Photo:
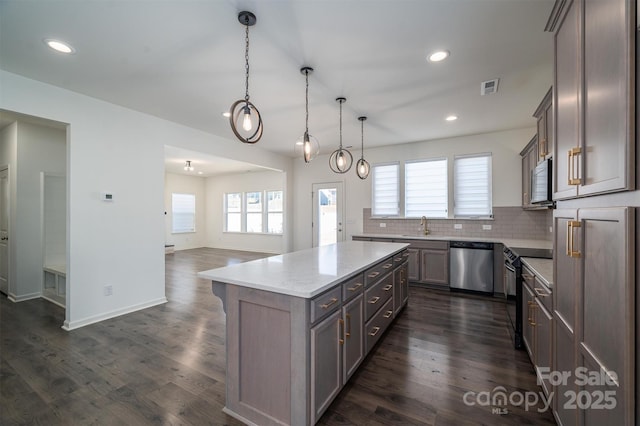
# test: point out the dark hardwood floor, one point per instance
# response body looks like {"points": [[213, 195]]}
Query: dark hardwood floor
{"points": [[166, 364]]}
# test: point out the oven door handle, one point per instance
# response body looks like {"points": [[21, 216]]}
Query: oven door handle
{"points": [[510, 268]]}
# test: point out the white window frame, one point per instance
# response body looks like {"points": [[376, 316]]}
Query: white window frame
{"points": [[407, 189], [183, 230], [488, 207], [374, 210], [267, 211], [264, 212]]}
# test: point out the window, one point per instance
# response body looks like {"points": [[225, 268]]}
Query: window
{"points": [[233, 210], [425, 186], [386, 190], [183, 213], [254, 211], [274, 212], [472, 185]]}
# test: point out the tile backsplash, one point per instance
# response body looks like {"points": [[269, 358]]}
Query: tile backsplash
{"points": [[508, 222]]}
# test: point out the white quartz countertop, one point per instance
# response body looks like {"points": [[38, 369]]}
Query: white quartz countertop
{"points": [[509, 242], [305, 273], [541, 268]]}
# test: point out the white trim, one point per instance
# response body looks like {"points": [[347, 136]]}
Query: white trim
{"points": [[68, 326], [24, 297]]}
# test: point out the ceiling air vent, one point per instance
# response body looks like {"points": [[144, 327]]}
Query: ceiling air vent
{"points": [[489, 87]]}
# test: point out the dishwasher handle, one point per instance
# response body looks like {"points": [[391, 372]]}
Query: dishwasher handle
{"points": [[475, 245]]}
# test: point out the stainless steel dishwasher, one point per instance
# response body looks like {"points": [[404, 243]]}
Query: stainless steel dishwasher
{"points": [[471, 266]]}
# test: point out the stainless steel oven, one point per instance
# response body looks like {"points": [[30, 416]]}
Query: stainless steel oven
{"points": [[513, 285]]}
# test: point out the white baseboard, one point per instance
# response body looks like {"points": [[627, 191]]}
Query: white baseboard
{"points": [[24, 297], [72, 325]]}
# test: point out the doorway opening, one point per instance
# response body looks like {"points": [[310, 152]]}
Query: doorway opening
{"points": [[328, 213]]}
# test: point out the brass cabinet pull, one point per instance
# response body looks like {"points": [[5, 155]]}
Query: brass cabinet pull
{"points": [[331, 302], [348, 333], [540, 292], [374, 331], [374, 300], [387, 266], [533, 306], [397, 259], [388, 314], [387, 287], [571, 226], [341, 324], [373, 274], [355, 287], [573, 154], [405, 254], [527, 277], [543, 147]]}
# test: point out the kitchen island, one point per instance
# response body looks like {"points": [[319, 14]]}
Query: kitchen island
{"points": [[299, 325]]}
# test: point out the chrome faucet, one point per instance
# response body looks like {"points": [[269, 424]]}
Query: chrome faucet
{"points": [[423, 225]]}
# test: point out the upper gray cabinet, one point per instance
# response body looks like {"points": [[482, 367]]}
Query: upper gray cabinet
{"points": [[544, 119], [594, 97]]}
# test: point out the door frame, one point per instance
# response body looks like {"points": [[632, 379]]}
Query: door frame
{"points": [[8, 210], [340, 199]]}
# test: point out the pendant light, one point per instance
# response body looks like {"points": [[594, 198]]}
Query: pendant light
{"points": [[310, 145], [245, 118], [362, 166], [341, 159], [187, 166]]}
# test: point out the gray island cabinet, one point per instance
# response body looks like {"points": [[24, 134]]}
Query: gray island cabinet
{"points": [[299, 325]]}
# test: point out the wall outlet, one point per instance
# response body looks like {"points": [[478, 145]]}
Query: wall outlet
{"points": [[551, 229], [108, 290], [383, 225], [457, 226], [486, 227]]}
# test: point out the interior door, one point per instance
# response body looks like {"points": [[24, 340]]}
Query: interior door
{"points": [[4, 230], [328, 213]]}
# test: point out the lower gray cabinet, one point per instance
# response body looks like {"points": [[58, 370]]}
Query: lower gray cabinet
{"points": [[543, 345], [414, 264], [400, 288], [353, 348], [435, 266], [326, 363]]}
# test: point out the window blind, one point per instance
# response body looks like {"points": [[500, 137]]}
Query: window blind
{"points": [[472, 185], [426, 192], [183, 213], [385, 195]]}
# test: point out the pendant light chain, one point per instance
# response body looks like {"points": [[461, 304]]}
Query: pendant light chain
{"points": [[306, 104], [362, 139], [246, 61], [341, 101]]}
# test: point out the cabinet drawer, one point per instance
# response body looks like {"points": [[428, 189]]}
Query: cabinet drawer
{"points": [[429, 244], [528, 276], [378, 324], [325, 303], [377, 295], [352, 287], [543, 294], [376, 272], [400, 258]]}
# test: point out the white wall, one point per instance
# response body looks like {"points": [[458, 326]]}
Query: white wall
{"points": [[505, 146], [217, 186], [183, 184], [115, 149]]}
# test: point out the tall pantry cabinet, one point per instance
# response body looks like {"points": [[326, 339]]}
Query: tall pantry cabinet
{"points": [[595, 237]]}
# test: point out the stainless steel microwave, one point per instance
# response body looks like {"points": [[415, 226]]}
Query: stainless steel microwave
{"points": [[541, 191]]}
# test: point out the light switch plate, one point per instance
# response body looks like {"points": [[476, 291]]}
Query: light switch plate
{"points": [[457, 226], [383, 225], [486, 227]]}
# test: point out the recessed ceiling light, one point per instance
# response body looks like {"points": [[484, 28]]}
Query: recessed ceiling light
{"points": [[451, 117], [226, 114], [299, 143], [200, 173], [439, 55], [59, 46]]}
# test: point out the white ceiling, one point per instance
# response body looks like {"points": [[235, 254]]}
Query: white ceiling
{"points": [[183, 60]]}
